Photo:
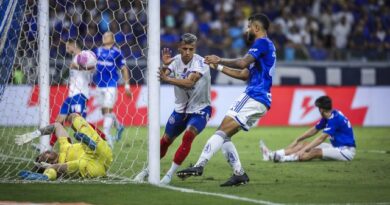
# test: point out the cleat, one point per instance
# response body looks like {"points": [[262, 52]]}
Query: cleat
{"points": [[142, 175], [166, 180], [236, 180], [191, 171], [265, 151], [277, 158], [119, 132]]}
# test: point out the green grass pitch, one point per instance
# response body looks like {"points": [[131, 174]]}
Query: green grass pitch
{"points": [[365, 180]]}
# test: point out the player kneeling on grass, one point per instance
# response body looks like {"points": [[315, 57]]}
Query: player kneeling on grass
{"points": [[89, 158], [335, 126]]}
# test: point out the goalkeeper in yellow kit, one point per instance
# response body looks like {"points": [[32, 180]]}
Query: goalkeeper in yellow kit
{"points": [[89, 158]]}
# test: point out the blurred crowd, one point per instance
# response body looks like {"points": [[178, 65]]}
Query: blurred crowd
{"points": [[301, 29]]}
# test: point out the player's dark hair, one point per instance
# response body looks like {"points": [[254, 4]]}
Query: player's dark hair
{"points": [[44, 157], [324, 102], [78, 43], [188, 38], [262, 18]]}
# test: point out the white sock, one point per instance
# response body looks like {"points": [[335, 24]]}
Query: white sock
{"points": [[107, 123], [115, 120], [231, 154], [173, 169], [289, 158], [281, 152], [212, 146]]}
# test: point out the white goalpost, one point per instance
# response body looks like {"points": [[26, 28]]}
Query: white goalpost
{"points": [[43, 65], [154, 90], [39, 79]]}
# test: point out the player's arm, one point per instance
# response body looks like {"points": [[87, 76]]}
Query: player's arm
{"points": [[317, 141], [309, 133], [239, 63], [189, 82], [126, 78], [234, 73]]}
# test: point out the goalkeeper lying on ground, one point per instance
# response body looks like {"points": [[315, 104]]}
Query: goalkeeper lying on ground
{"points": [[89, 158]]}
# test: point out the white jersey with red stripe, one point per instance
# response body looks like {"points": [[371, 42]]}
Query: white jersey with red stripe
{"points": [[194, 99]]}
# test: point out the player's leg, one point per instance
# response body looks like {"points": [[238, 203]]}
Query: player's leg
{"points": [[195, 125], [338, 154], [246, 114], [109, 98], [174, 127], [288, 153], [75, 104], [213, 144]]}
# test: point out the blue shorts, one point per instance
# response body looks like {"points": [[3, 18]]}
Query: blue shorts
{"points": [[178, 122], [75, 104]]}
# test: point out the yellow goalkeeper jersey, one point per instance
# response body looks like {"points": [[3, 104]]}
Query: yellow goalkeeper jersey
{"points": [[69, 152]]}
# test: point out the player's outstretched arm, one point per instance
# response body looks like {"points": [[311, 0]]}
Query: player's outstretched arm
{"points": [[239, 63], [28, 137], [234, 73]]}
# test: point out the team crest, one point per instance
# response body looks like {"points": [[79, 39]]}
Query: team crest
{"points": [[171, 120]]}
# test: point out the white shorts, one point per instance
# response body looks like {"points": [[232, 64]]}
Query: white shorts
{"points": [[106, 97], [336, 153], [246, 111]]}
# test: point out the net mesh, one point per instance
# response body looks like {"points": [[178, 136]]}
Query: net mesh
{"points": [[86, 21]]}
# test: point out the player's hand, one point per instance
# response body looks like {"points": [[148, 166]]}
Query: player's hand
{"points": [[25, 138], [43, 165], [213, 66], [166, 54], [212, 59], [163, 77], [300, 153]]}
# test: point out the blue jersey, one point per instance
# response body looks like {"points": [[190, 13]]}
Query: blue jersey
{"points": [[261, 71], [338, 128], [109, 62]]}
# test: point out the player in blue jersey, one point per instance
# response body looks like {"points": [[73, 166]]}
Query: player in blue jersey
{"points": [[335, 126], [106, 77], [257, 67]]}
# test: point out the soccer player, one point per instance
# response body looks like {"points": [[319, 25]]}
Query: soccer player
{"points": [[258, 67], [106, 77], [335, 126], [88, 159], [191, 79], [79, 79]]}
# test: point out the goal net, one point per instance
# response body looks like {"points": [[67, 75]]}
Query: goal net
{"points": [[21, 75]]}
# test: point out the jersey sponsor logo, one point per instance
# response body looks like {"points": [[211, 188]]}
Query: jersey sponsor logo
{"points": [[253, 50], [327, 129]]}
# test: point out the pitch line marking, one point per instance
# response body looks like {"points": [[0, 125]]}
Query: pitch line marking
{"points": [[226, 196]]}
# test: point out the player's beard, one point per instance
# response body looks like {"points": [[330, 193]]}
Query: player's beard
{"points": [[249, 38]]}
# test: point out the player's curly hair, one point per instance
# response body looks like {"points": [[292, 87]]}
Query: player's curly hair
{"points": [[262, 18], [324, 102], [188, 38]]}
